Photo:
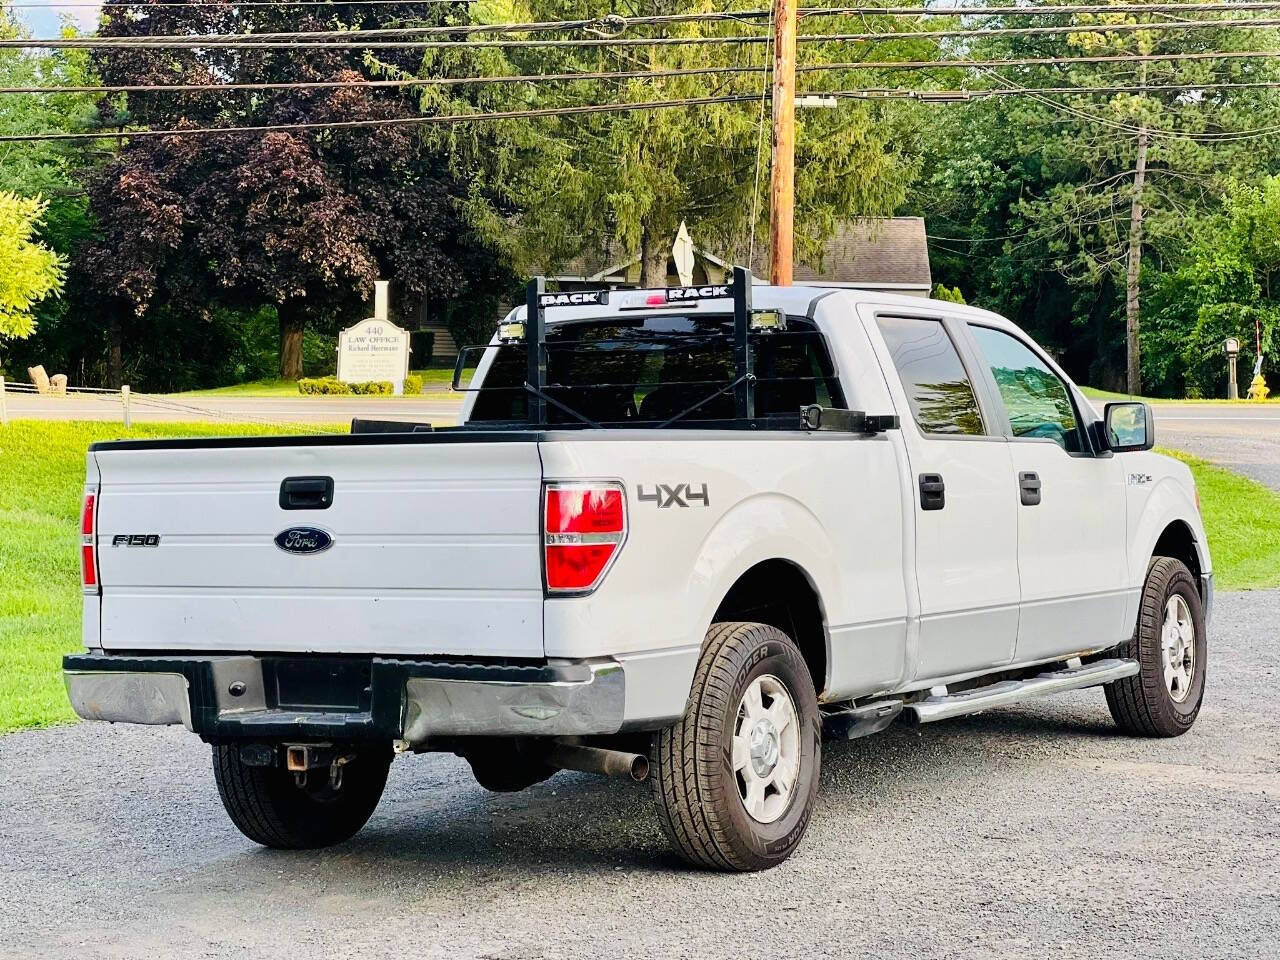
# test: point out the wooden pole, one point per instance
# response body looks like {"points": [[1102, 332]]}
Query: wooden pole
{"points": [[782, 183]]}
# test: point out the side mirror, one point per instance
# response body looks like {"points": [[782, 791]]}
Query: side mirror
{"points": [[1129, 426]]}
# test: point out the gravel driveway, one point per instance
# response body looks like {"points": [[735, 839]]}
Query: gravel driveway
{"points": [[1028, 832]]}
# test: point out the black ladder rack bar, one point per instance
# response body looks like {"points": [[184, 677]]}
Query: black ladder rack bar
{"points": [[535, 339], [744, 393]]}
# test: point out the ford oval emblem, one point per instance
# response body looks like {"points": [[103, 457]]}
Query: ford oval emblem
{"points": [[303, 540]]}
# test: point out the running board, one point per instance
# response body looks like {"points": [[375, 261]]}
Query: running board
{"points": [[1011, 691]]}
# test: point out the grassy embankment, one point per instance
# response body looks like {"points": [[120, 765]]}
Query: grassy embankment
{"points": [[42, 476]]}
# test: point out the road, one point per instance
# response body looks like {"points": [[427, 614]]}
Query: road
{"points": [[438, 407], [1242, 437], [1025, 832]]}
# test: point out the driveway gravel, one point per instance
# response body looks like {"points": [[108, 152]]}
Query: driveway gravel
{"points": [[1031, 832]]}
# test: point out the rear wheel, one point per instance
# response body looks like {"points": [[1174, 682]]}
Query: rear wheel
{"points": [[1170, 645], [736, 779], [271, 807]]}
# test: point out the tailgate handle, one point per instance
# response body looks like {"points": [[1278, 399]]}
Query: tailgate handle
{"points": [[306, 493]]}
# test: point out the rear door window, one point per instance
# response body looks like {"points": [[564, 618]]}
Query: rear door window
{"points": [[937, 386]]}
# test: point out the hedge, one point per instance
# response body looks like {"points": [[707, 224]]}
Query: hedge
{"points": [[334, 386]]}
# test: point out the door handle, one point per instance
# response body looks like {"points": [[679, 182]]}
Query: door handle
{"points": [[1029, 488], [933, 491], [306, 493]]}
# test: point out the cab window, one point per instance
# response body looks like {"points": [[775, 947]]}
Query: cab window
{"points": [[1036, 399], [938, 388]]}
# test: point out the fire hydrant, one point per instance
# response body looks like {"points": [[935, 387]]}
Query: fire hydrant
{"points": [[1258, 389]]}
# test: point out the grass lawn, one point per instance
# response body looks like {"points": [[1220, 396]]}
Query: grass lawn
{"points": [[1108, 396], [42, 468], [432, 376], [42, 477]]}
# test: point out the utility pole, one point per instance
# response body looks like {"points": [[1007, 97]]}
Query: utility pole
{"points": [[782, 183], [1133, 269]]}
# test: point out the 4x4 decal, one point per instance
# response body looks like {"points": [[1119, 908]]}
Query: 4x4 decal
{"points": [[681, 495]]}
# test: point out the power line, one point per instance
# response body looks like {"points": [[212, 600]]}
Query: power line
{"points": [[1023, 11], [657, 74], [619, 23], [883, 93], [236, 42]]}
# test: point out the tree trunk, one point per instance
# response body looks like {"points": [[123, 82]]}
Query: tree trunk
{"points": [[291, 323], [1133, 378], [654, 254], [115, 353]]}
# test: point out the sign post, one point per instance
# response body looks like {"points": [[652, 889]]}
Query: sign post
{"points": [[1231, 346]]}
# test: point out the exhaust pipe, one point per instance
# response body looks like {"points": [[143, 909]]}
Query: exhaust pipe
{"points": [[612, 763]]}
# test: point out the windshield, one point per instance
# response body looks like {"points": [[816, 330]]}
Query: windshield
{"points": [[646, 370]]}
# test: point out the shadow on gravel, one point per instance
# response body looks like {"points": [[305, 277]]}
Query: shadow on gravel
{"points": [[581, 824]]}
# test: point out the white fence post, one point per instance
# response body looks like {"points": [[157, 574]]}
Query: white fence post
{"points": [[124, 397], [4, 410]]}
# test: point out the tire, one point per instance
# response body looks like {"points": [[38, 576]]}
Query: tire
{"points": [[267, 805], [697, 783], [1153, 702]]}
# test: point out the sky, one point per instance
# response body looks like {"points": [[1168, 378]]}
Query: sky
{"points": [[45, 20]]}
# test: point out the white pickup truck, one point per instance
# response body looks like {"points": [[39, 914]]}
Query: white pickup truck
{"points": [[680, 535]]}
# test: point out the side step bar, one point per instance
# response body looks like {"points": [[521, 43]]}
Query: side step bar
{"points": [[1011, 691]]}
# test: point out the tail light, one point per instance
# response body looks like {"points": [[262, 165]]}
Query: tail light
{"points": [[584, 526], [89, 542]]}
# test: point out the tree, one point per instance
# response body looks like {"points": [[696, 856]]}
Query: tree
{"points": [[51, 219], [1056, 204], [552, 188], [29, 271], [303, 221]]}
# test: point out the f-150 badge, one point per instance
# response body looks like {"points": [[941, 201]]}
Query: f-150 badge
{"points": [[681, 495]]}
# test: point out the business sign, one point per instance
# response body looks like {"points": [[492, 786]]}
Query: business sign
{"points": [[373, 349]]}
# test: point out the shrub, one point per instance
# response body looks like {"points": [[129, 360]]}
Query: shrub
{"points": [[413, 385], [372, 387], [323, 386]]}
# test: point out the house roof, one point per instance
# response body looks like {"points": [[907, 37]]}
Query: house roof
{"points": [[876, 252], [887, 252]]}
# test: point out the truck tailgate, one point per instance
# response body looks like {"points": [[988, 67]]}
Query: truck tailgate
{"points": [[435, 548]]}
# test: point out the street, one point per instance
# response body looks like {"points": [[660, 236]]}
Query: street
{"points": [[1031, 831], [1242, 437], [434, 407]]}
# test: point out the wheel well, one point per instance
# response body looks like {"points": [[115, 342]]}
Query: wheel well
{"points": [[1178, 542], [779, 593]]}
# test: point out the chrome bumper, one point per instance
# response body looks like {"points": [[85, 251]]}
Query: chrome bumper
{"points": [[240, 697]]}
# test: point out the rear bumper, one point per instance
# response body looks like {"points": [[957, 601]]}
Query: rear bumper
{"points": [[228, 697]]}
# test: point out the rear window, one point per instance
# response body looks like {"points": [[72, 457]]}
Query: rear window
{"points": [[646, 370]]}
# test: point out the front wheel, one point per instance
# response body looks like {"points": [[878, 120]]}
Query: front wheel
{"points": [[1170, 645], [736, 778], [270, 806]]}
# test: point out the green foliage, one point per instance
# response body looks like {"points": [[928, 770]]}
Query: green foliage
{"points": [[412, 385], [1028, 198], [332, 386], [614, 185], [29, 271], [1224, 287], [947, 294]]}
